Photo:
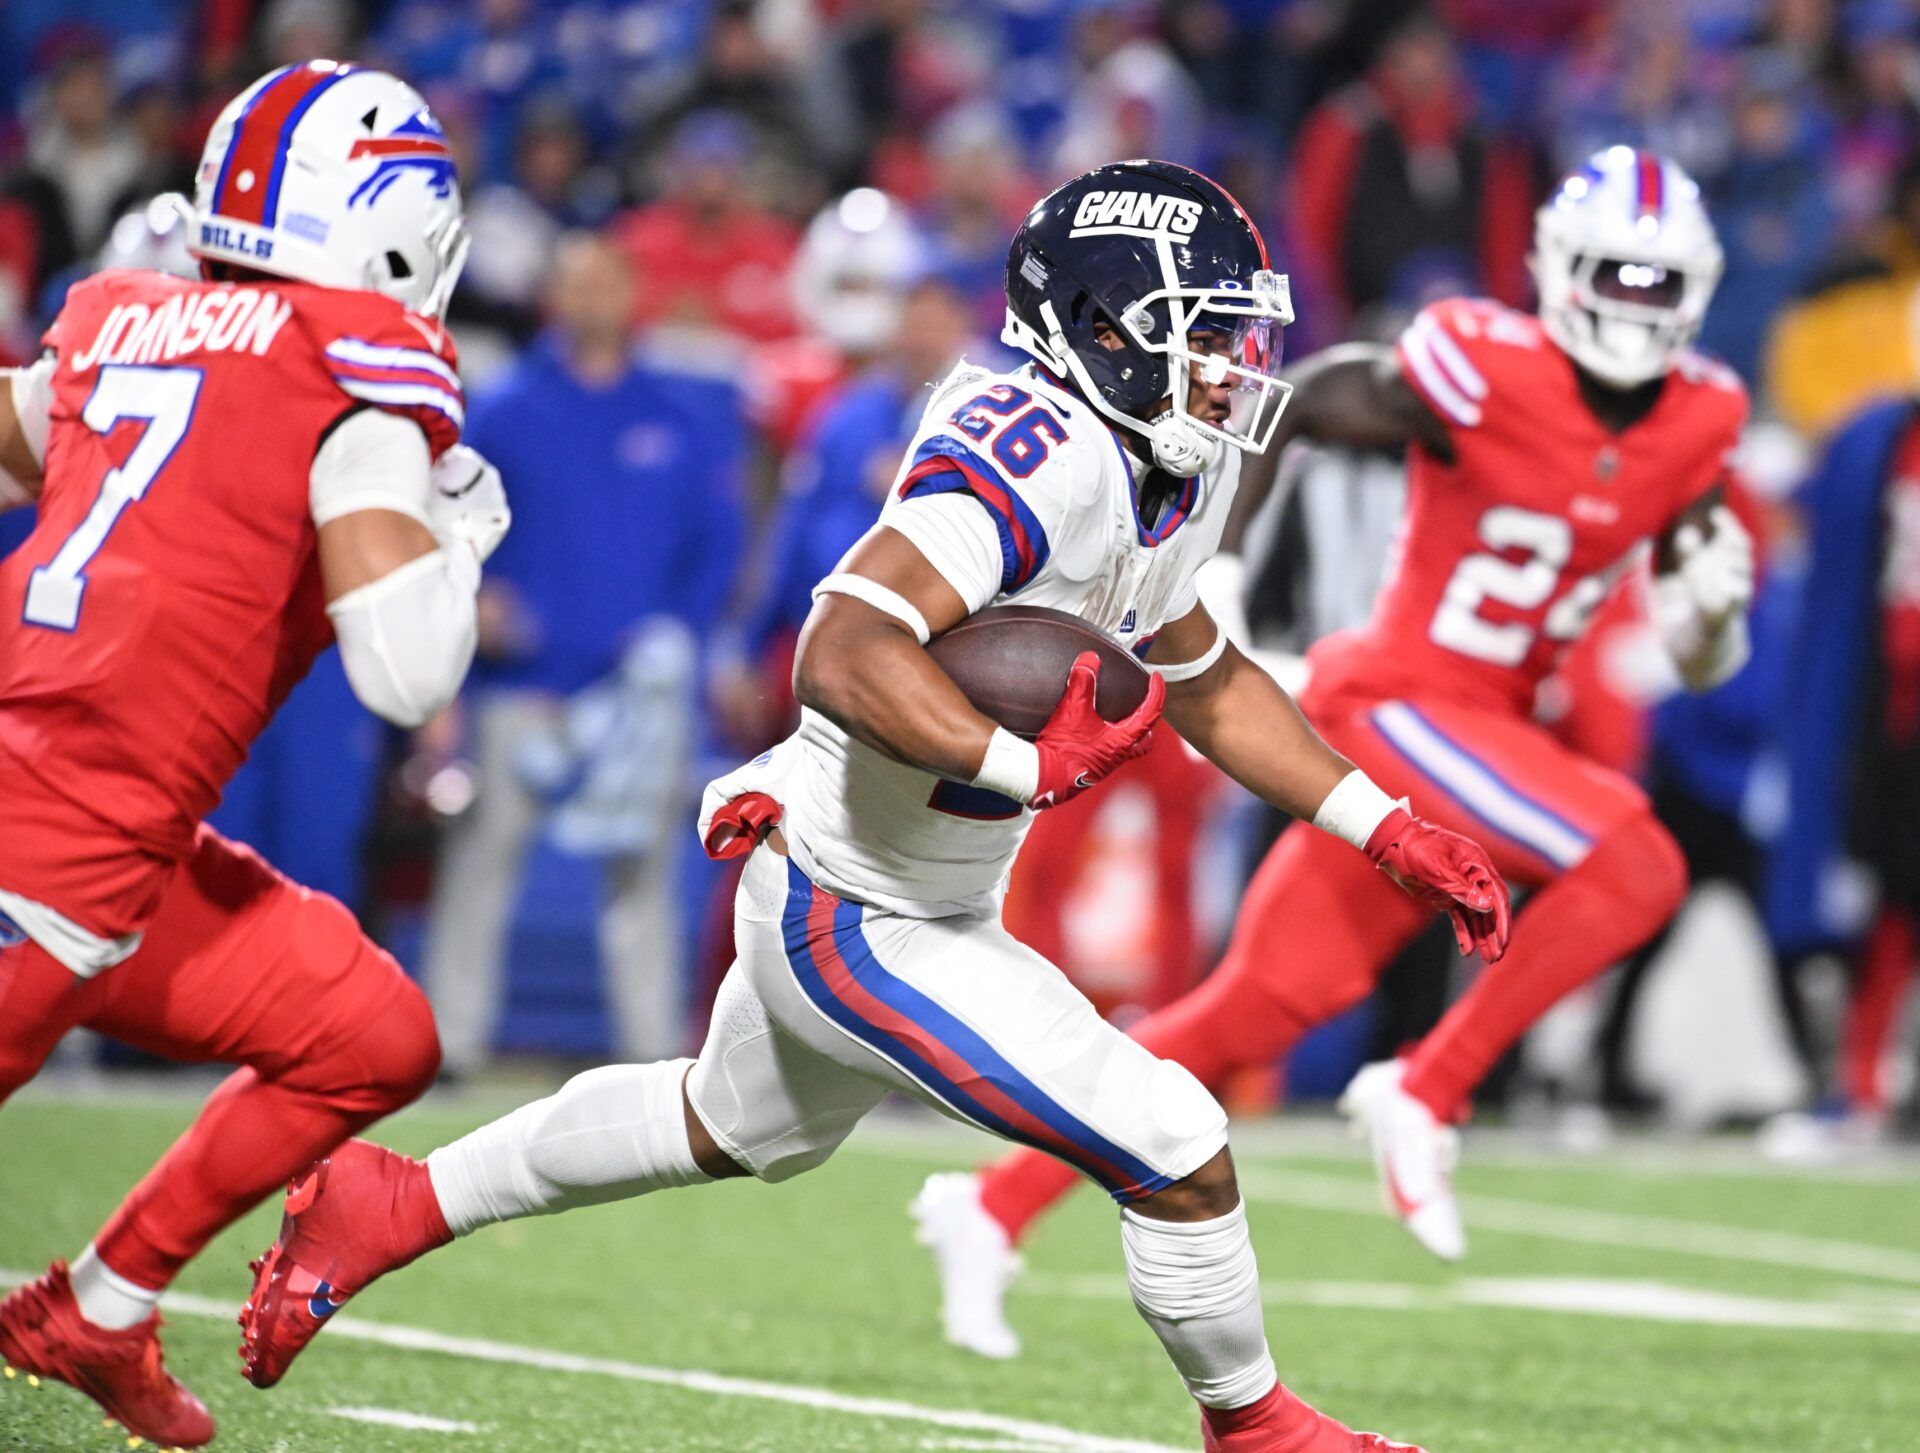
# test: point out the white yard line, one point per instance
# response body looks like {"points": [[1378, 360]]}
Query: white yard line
{"points": [[1542, 1220], [1629, 1300], [1547, 1221], [394, 1418], [1310, 1136], [476, 1349]]}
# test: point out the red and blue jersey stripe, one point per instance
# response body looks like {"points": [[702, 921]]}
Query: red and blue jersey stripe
{"points": [[408, 381], [837, 970], [943, 464], [248, 186]]}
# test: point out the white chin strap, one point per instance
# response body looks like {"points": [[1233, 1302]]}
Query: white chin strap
{"points": [[1181, 446]]}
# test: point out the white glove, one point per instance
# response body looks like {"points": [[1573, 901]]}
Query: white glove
{"points": [[1717, 568], [469, 501], [1700, 609]]}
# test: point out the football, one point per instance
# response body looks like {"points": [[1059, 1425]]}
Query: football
{"points": [[1011, 661]]}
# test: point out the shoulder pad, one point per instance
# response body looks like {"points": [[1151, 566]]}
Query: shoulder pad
{"points": [[1455, 352], [1709, 372], [379, 353], [1028, 459]]}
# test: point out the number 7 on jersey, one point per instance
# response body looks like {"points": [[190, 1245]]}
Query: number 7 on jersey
{"points": [[163, 398]]}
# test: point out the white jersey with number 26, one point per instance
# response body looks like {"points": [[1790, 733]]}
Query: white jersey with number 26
{"points": [[1018, 493]]}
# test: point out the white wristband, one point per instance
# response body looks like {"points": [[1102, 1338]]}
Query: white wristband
{"points": [[1354, 809], [1011, 766]]}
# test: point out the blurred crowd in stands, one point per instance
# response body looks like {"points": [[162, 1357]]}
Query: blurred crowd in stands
{"points": [[721, 245]]}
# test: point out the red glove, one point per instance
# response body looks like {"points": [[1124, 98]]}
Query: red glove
{"points": [[737, 828], [1448, 873], [1078, 748]]}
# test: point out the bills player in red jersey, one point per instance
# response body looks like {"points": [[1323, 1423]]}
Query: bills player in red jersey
{"points": [[231, 474], [1544, 453]]}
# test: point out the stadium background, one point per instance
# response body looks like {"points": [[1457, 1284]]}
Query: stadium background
{"points": [[801, 208]]}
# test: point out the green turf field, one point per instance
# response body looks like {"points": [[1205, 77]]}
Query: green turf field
{"points": [[1641, 1302]]}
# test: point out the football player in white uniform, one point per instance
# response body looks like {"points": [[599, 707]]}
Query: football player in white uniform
{"points": [[870, 951]]}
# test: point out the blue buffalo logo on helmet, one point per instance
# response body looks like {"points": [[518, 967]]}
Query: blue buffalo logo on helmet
{"points": [[417, 144]]}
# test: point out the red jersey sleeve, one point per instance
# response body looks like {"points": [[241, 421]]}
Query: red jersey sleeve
{"points": [[1460, 353], [378, 353]]}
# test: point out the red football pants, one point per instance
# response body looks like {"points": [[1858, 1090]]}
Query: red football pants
{"points": [[239, 965], [1319, 923]]}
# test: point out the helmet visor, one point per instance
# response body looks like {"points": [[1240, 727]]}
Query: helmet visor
{"points": [[1229, 334], [1641, 284]]}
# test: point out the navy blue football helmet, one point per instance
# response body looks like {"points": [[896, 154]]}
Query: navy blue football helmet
{"points": [[1155, 252]]}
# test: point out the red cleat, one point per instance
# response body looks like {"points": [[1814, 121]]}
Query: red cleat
{"points": [[1281, 1423], [42, 1334], [350, 1218]]}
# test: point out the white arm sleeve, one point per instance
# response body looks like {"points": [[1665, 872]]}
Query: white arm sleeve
{"points": [[32, 390], [373, 460], [956, 534], [408, 638]]}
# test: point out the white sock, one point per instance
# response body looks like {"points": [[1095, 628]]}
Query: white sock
{"points": [[1198, 1287], [607, 1135], [107, 1299]]}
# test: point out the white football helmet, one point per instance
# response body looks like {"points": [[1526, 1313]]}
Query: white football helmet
{"points": [[1626, 262], [333, 175], [860, 256]]}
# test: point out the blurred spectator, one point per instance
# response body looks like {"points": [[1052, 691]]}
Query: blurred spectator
{"points": [[515, 223], [293, 31], [1132, 100], [707, 257], [1845, 871], [625, 482], [1509, 51], [1392, 175], [741, 74], [847, 282], [1771, 207], [899, 64], [1854, 338], [1640, 81], [81, 160], [838, 478], [1877, 123], [973, 193]]}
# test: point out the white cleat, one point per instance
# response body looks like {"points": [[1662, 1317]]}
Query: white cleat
{"points": [[1414, 1154], [975, 1261]]}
